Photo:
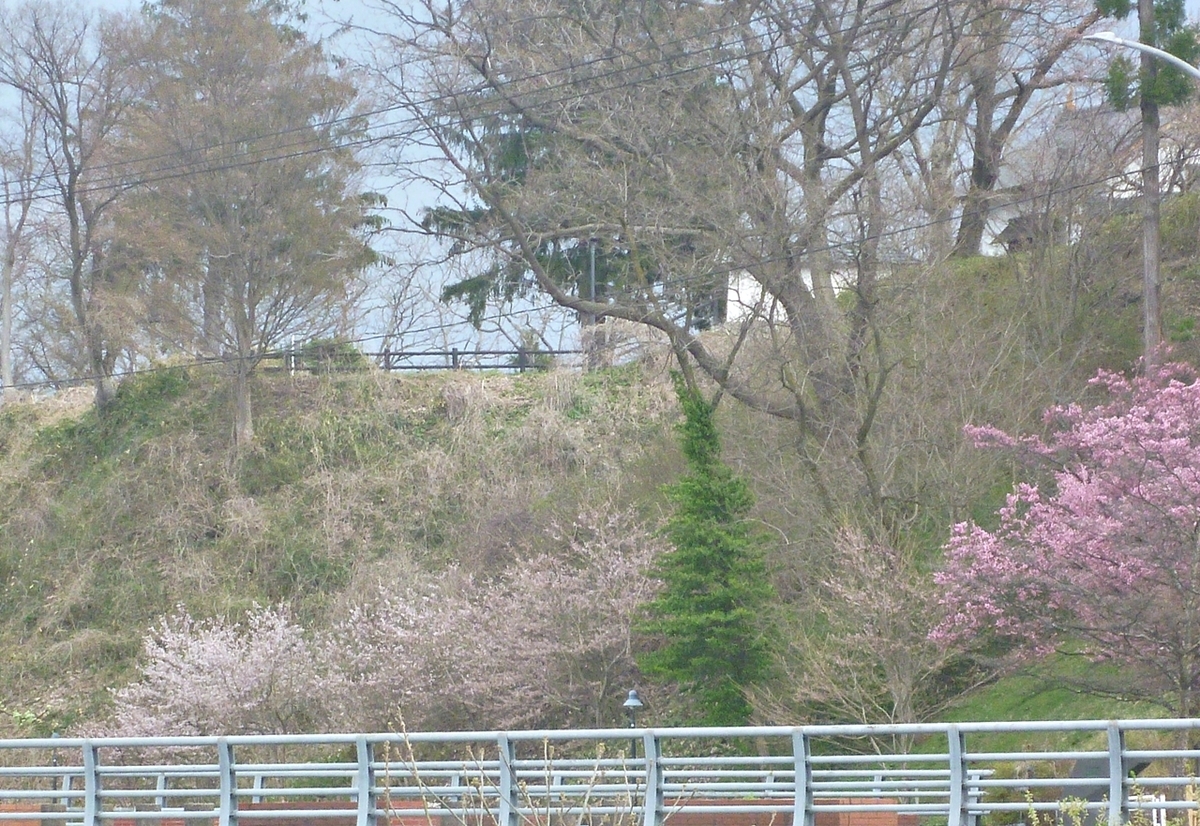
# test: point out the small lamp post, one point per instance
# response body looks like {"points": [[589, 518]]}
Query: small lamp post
{"points": [[631, 705], [54, 778]]}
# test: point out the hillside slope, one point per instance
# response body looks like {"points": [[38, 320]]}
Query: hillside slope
{"points": [[108, 523]]}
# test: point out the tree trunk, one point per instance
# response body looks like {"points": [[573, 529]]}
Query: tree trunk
{"points": [[976, 209], [210, 326], [14, 231], [984, 170], [243, 422], [102, 356], [6, 284], [106, 391]]}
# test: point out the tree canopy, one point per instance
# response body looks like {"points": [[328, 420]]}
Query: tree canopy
{"points": [[259, 233]]}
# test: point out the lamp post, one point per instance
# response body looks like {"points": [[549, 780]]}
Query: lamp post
{"points": [[54, 778], [1151, 195], [631, 705]]}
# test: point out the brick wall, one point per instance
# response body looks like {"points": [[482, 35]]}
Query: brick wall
{"points": [[400, 817]]}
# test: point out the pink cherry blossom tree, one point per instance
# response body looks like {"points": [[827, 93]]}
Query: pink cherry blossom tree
{"points": [[1103, 557], [406, 649], [563, 650], [548, 642]]}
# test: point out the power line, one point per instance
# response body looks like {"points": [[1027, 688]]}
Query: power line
{"points": [[249, 156], [411, 125], [936, 222], [365, 114]]}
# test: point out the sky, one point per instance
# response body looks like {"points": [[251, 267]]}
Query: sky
{"points": [[341, 7]]}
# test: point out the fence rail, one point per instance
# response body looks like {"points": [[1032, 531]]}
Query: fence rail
{"points": [[954, 774], [460, 359], [321, 359]]}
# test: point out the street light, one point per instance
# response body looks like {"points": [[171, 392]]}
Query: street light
{"points": [[1151, 192], [631, 705], [1179, 63], [54, 763]]}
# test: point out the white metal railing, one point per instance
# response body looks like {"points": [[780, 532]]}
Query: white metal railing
{"points": [[956, 773]]}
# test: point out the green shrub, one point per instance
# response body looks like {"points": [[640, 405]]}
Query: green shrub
{"points": [[331, 355]]}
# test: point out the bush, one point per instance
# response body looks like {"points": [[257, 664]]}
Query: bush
{"points": [[330, 355]]}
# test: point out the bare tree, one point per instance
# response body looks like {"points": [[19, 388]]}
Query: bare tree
{"points": [[861, 651], [77, 93], [21, 174], [1017, 52], [692, 142]]}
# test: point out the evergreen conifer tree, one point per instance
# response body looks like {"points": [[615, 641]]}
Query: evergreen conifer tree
{"points": [[710, 615]]}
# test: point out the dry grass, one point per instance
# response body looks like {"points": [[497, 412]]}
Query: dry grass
{"points": [[355, 479]]}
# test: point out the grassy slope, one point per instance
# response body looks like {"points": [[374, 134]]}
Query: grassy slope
{"points": [[107, 523]]}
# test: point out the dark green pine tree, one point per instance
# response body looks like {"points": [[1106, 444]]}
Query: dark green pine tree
{"points": [[1164, 24], [711, 617]]}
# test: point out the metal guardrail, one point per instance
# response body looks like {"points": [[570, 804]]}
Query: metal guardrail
{"points": [[316, 360], [469, 359], [956, 775]]}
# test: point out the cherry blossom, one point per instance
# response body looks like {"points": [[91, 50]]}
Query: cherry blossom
{"points": [[547, 642], [1102, 556], [260, 676]]}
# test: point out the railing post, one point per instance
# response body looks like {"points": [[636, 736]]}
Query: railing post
{"points": [[508, 784], [652, 800], [91, 784], [974, 798], [227, 807], [959, 814], [365, 781], [802, 812], [1118, 798]]}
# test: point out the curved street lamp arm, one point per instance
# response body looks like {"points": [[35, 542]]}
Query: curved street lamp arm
{"points": [[1179, 63]]}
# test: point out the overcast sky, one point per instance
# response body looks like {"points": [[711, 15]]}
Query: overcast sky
{"points": [[320, 10]]}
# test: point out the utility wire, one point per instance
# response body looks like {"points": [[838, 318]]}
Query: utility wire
{"points": [[400, 129], [121, 172], [249, 139]]}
